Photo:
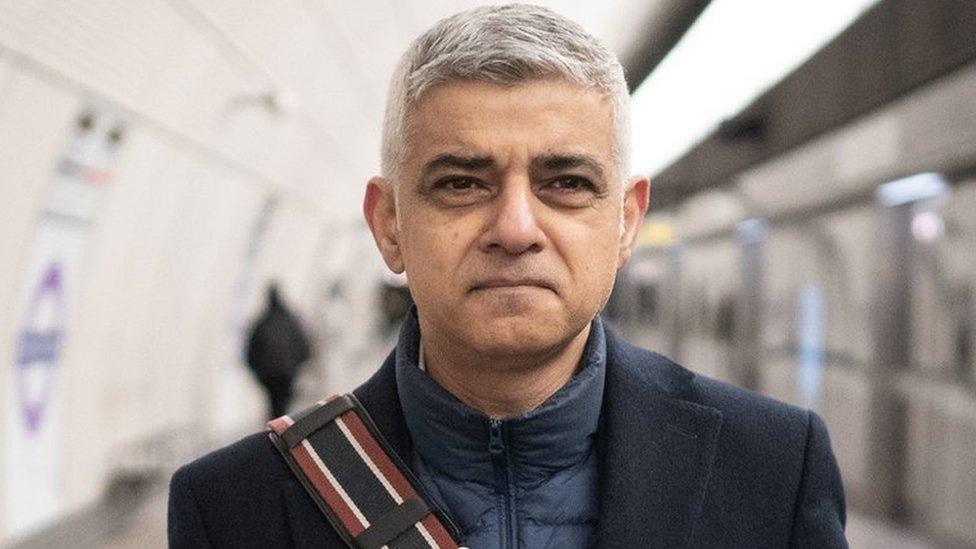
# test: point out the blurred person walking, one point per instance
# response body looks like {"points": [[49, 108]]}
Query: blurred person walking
{"points": [[276, 349]]}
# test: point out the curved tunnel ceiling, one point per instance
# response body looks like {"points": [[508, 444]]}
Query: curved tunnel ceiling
{"points": [[332, 60]]}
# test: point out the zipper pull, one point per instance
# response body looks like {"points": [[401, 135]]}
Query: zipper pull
{"points": [[496, 445]]}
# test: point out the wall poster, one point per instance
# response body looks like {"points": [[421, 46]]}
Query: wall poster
{"points": [[32, 484]]}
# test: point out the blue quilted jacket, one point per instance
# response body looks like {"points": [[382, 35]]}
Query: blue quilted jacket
{"points": [[523, 482]]}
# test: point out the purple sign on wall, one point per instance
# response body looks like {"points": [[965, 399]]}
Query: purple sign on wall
{"points": [[39, 346]]}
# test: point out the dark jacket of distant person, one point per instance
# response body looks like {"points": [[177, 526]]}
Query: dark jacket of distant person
{"points": [[684, 461], [277, 347]]}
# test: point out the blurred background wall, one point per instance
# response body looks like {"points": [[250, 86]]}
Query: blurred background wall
{"points": [[162, 161]]}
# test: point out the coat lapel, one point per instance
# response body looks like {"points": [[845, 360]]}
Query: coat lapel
{"points": [[656, 451]]}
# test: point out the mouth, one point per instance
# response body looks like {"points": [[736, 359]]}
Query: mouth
{"points": [[511, 283]]}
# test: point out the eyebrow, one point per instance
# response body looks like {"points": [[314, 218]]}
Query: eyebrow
{"points": [[552, 162], [469, 163], [558, 162]]}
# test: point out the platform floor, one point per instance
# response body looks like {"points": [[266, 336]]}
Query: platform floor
{"points": [[136, 519]]}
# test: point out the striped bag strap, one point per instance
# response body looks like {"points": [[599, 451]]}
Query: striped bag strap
{"points": [[357, 480]]}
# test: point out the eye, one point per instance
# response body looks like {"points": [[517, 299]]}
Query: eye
{"points": [[569, 191], [571, 183], [457, 184], [460, 190]]}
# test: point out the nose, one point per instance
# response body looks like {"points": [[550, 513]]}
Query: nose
{"points": [[514, 227]]}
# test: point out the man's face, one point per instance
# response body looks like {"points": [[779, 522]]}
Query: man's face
{"points": [[509, 217]]}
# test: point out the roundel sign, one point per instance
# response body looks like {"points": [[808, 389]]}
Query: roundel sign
{"points": [[39, 346]]}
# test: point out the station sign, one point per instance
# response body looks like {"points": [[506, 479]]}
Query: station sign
{"points": [[32, 481]]}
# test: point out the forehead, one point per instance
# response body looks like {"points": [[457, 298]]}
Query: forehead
{"points": [[537, 117]]}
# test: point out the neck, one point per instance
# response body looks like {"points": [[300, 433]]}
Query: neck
{"points": [[502, 386]]}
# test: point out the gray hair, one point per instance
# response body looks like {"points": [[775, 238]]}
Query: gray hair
{"points": [[506, 45]]}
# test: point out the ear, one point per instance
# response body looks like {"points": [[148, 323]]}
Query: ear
{"points": [[379, 208], [636, 200]]}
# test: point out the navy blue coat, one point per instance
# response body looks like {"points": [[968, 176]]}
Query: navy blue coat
{"points": [[685, 461]]}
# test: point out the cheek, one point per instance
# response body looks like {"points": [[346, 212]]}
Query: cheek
{"points": [[433, 253], [592, 257], [601, 236]]}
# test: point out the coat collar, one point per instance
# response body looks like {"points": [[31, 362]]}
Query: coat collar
{"points": [[380, 398], [656, 451], [656, 445]]}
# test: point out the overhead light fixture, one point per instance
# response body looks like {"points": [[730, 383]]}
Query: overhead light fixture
{"points": [[736, 50]]}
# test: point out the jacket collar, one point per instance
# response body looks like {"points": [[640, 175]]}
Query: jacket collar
{"points": [[451, 437], [656, 445]]}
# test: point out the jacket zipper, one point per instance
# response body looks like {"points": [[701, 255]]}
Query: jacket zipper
{"points": [[503, 482]]}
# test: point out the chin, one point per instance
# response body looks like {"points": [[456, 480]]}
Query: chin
{"points": [[502, 344], [513, 306], [519, 334]]}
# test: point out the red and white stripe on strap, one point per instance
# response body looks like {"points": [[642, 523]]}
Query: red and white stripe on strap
{"points": [[338, 483]]}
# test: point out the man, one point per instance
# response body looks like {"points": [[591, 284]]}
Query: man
{"points": [[503, 199]]}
